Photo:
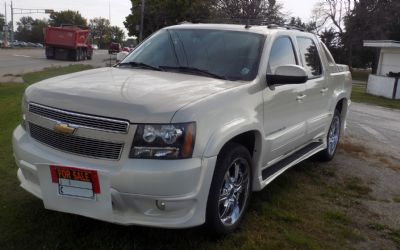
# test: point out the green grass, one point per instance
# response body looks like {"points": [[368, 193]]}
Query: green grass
{"points": [[335, 216], [395, 236], [377, 227], [301, 240], [356, 185], [359, 94], [53, 71], [390, 233], [303, 209], [360, 74]]}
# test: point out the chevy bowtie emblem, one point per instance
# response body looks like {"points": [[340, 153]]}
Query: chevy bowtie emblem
{"points": [[64, 129]]}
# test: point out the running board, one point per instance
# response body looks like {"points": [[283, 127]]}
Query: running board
{"points": [[269, 171]]}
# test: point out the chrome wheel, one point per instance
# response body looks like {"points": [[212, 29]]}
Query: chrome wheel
{"points": [[333, 135], [234, 192]]}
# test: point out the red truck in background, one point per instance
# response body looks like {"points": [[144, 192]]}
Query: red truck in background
{"points": [[68, 42]]}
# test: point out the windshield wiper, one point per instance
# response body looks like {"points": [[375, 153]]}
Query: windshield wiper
{"points": [[140, 65], [192, 70]]}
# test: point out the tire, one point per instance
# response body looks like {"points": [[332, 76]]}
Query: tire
{"points": [[80, 53], [76, 55], [332, 139], [48, 54], [228, 199]]}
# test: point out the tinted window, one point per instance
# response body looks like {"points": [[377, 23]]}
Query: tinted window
{"points": [[310, 56], [155, 51], [282, 53], [233, 55], [328, 54]]}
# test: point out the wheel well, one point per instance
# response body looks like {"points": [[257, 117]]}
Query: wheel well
{"points": [[252, 140], [339, 105], [247, 139]]}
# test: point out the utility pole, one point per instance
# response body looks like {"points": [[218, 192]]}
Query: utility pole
{"points": [[141, 22], [12, 25], [6, 25], [109, 11]]}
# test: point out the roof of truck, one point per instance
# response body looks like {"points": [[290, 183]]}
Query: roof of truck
{"points": [[262, 29]]}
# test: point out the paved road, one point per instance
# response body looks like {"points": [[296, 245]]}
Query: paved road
{"points": [[15, 62], [377, 127]]}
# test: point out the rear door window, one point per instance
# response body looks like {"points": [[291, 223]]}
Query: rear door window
{"points": [[310, 57], [328, 54]]}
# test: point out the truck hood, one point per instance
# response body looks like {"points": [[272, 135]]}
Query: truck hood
{"points": [[140, 96]]}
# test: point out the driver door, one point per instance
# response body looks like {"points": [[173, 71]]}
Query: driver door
{"points": [[284, 122]]}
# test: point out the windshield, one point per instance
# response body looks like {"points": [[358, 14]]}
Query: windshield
{"points": [[223, 54]]}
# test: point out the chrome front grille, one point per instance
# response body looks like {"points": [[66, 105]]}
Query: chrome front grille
{"points": [[77, 145], [82, 120]]}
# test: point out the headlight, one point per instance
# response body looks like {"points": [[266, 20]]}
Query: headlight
{"points": [[169, 141]]}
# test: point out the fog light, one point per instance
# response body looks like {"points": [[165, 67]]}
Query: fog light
{"points": [[160, 205]]}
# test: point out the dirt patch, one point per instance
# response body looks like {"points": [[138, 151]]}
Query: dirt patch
{"points": [[350, 147], [375, 178], [359, 199]]}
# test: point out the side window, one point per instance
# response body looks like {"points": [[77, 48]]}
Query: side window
{"points": [[328, 54], [310, 56], [282, 53]]}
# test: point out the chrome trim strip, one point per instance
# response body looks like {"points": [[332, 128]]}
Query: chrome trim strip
{"points": [[77, 154], [82, 115]]}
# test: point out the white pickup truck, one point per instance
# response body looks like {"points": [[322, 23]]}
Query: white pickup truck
{"points": [[184, 129]]}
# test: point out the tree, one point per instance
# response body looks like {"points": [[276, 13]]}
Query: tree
{"points": [[100, 31], [251, 11], [24, 26], [30, 30], [161, 13], [37, 35], [117, 34], [2, 22], [371, 20], [297, 22], [329, 37], [333, 13], [67, 17]]}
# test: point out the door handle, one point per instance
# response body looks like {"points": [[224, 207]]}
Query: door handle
{"points": [[324, 90], [301, 97]]}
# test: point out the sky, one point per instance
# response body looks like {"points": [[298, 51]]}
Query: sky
{"points": [[121, 8]]}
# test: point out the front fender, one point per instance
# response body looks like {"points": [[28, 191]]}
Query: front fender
{"points": [[229, 130]]}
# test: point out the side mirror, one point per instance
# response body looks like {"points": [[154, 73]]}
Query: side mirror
{"points": [[287, 74]]}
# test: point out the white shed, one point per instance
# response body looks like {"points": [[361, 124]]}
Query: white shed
{"points": [[385, 82]]}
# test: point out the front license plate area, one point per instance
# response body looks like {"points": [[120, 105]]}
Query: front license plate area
{"points": [[75, 182]]}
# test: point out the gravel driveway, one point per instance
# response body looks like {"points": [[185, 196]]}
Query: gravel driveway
{"points": [[370, 152]]}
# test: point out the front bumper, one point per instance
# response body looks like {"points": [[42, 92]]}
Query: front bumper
{"points": [[130, 188]]}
